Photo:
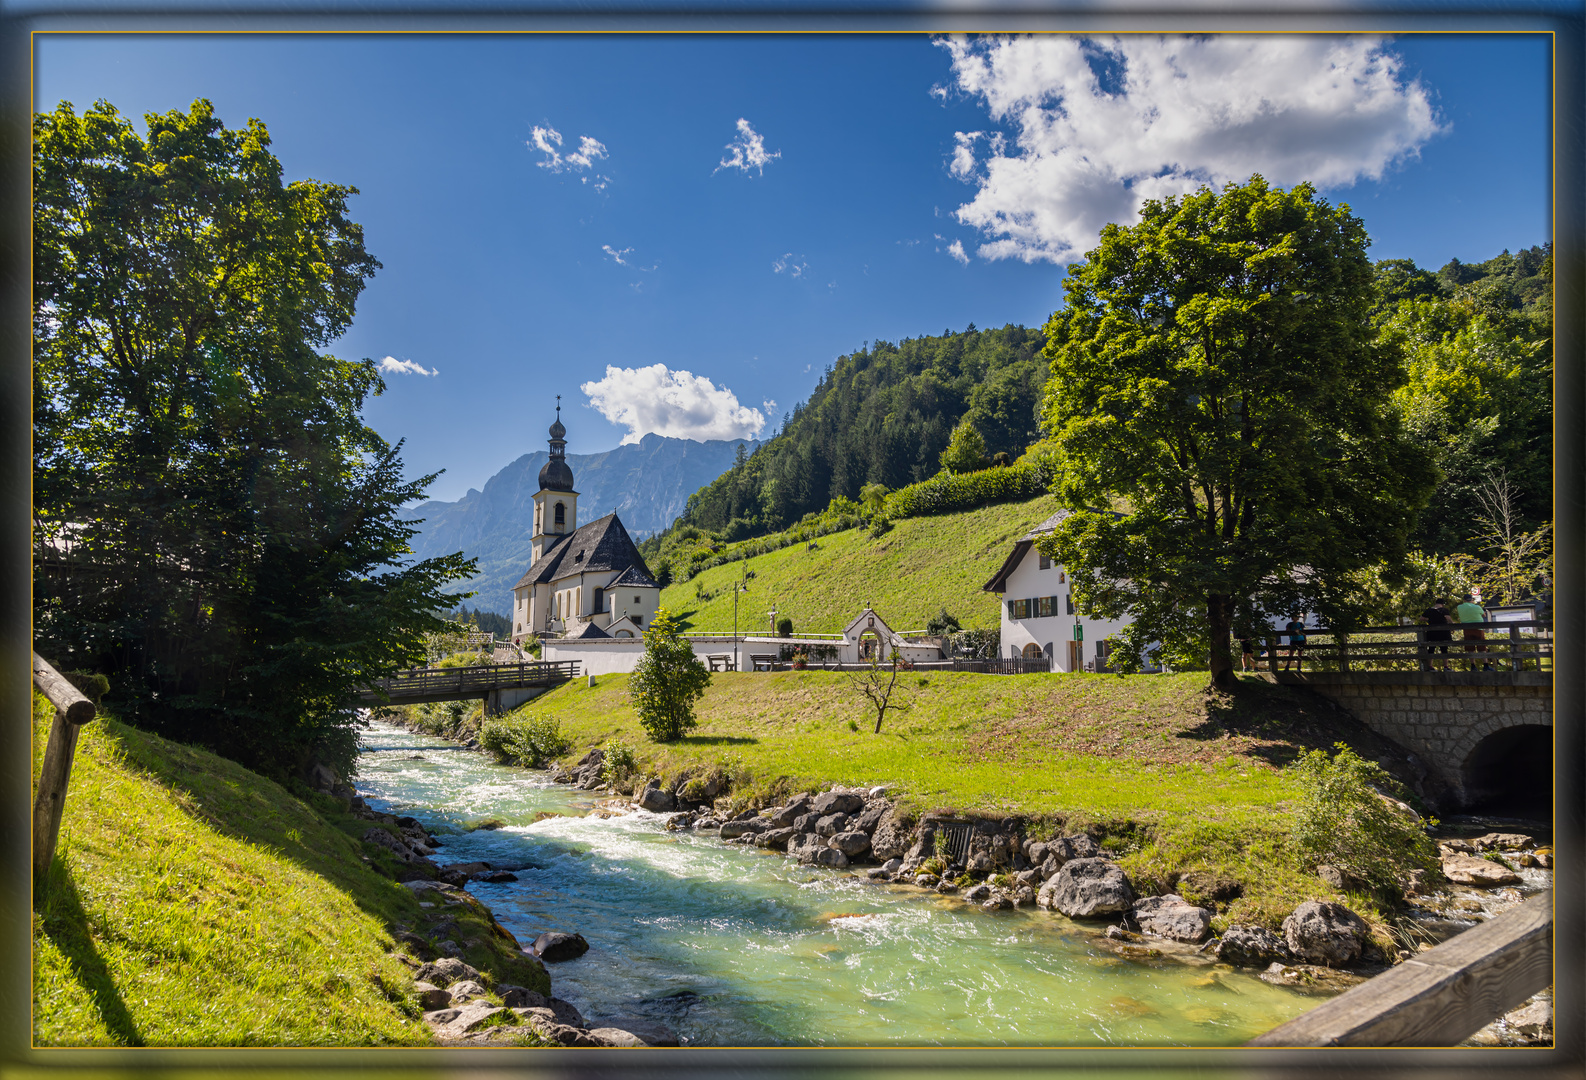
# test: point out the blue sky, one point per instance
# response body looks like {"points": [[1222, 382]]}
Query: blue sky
{"points": [[750, 208]]}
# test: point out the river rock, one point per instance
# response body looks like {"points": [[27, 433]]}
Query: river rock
{"points": [[836, 802], [926, 881], [830, 856], [647, 1031], [976, 893], [890, 839], [1503, 841], [494, 877], [1024, 896], [431, 997], [1031, 878], [1324, 933], [384, 838], [997, 902], [871, 816], [520, 997], [790, 813], [1174, 918], [547, 1026], [947, 885], [1311, 979], [1252, 946], [445, 971], [1067, 848], [1473, 870], [831, 824], [730, 829], [468, 1018], [1088, 888], [655, 800], [805, 846], [553, 947], [850, 843], [775, 839], [465, 990]]}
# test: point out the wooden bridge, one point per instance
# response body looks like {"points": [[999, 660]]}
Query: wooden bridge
{"points": [[489, 682]]}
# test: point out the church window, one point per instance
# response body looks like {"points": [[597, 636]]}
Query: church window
{"points": [[1046, 561], [561, 514], [600, 600]]}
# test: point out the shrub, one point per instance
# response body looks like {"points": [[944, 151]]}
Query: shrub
{"points": [[619, 762], [784, 627], [966, 450], [667, 681], [1342, 819], [948, 492], [529, 741]]}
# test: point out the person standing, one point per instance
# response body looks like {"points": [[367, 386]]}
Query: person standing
{"points": [[1472, 612], [1295, 628], [1437, 620]]}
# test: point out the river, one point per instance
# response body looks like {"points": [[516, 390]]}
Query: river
{"points": [[735, 946]]}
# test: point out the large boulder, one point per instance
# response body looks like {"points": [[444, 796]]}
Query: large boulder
{"points": [[1325, 933], [1474, 870], [832, 824], [805, 846], [553, 947], [1088, 888], [730, 829], [797, 808], [850, 843], [775, 839], [655, 800], [836, 802], [1252, 946], [871, 816], [384, 838], [1173, 917], [890, 839], [445, 971], [830, 856], [1067, 848]]}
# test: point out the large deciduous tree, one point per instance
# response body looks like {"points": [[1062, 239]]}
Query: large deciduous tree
{"points": [[1221, 414], [215, 526]]}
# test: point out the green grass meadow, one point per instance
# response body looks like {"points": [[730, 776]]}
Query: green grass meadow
{"points": [[920, 566]]}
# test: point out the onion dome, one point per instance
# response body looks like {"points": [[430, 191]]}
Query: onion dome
{"points": [[556, 476]]}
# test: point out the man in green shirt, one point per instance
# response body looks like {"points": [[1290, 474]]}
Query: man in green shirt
{"points": [[1472, 612]]}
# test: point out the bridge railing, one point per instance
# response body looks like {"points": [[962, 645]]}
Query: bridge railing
{"points": [[473, 681], [1525, 645]]}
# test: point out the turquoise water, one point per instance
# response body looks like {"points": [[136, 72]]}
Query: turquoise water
{"points": [[733, 946]]}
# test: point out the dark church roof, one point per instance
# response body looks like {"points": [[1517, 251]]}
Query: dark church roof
{"points": [[588, 630], [635, 578], [555, 475], [603, 544]]}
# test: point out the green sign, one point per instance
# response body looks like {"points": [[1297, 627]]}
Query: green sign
{"points": [[1079, 631]]}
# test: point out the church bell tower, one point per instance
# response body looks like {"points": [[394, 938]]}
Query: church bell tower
{"points": [[556, 503]]}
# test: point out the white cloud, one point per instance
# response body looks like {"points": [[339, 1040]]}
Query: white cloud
{"points": [[392, 366], [617, 255], [679, 404], [956, 250], [791, 264], [547, 140], [747, 151], [768, 405], [1101, 124]]}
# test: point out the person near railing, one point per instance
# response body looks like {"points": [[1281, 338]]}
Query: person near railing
{"points": [[1475, 638], [1295, 628], [1437, 620]]}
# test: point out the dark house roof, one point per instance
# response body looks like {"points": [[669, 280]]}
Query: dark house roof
{"points": [[633, 578], [603, 544], [588, 630]]}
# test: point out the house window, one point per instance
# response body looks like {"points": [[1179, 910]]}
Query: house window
{"points": [[561, 514], [1046, 562], [1018, 609], [638, 620], [638, 599], [1068, 599], [600, 601], [1046, 607]]}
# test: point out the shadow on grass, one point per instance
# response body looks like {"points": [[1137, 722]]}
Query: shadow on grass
{"points": [[1287, 721], [717, 740], [65, 924]]}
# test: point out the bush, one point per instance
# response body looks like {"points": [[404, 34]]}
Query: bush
{"points": [[667, 681], [619, 762], [529, 741], [784, 627], [949, 492], [1342, 819]]}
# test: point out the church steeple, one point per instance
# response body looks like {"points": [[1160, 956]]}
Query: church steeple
{"points": [[556, 503]]}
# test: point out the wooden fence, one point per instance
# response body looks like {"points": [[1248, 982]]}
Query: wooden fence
{"points": [[1504, 646], [1442, 996], [448, 684], [72, 711]]}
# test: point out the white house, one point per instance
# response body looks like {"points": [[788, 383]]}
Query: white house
{"points": [[585, 581], [1038, 614]]}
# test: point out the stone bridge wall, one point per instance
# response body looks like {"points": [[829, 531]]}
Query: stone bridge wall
{"points": [[1440, 716]]}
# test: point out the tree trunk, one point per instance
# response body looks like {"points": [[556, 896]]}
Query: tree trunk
{"points": [[1220, 623]]}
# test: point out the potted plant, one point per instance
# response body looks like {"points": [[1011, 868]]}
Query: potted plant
{"points": [[801, 660]]}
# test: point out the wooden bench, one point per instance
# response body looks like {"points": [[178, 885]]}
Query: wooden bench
{"points": [[762, 661], [720, 661]]}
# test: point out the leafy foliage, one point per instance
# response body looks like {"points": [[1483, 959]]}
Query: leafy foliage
{"points": [[524, 739], [966, 450], [216, 528], [618, 763], [1221, 421], [1519, 565], [1342, 818], [948, 492], [667, 680]]}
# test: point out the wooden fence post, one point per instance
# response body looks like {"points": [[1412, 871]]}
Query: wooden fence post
{"points": [[72, 710]]}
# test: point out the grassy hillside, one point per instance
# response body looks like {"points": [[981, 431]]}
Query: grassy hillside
{"points": [[194, 903], [1181, 778], [920, 566]]}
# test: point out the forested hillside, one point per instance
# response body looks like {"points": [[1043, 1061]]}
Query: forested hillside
{"points": [[882, 414]]}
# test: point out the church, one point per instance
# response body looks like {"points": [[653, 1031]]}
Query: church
{"points": [[584, 581]]}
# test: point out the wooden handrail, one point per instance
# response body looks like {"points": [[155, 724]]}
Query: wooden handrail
{"points": [[1439, 997], [72, 711]]}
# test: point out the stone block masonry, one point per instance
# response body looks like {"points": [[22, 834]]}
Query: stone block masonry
{"points": [[1442, 717]]}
